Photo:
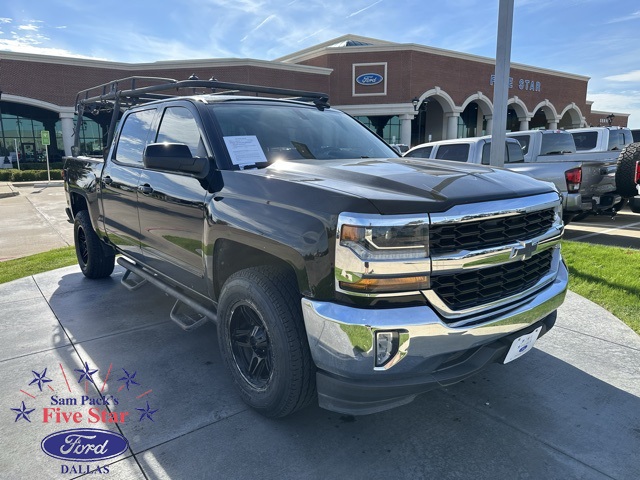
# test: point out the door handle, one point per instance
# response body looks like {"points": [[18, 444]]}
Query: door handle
{"points": [[145, 189], [107, 180]]}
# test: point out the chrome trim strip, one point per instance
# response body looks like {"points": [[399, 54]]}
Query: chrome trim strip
{"points": [[495, 209], [490, 257]]}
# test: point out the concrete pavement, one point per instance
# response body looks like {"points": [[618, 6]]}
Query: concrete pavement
{"points": [[32, 219], [568, 409]]}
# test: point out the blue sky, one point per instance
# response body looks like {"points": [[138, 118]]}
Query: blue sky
{"points": [[595, 38]]}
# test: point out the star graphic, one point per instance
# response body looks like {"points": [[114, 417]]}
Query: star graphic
{"points": [[146, 412], [85, 373], [128, 378], [40, 378], [23, 413]]}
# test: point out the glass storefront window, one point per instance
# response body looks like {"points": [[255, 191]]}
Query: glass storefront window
{"points": [[390, 130]]}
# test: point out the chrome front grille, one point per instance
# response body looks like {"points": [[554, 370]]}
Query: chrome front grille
{"points": [[487, 233], [472, 288]]}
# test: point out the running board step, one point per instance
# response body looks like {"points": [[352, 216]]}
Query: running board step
{"points": [[132, 282], [187, 312], [187, 318]]}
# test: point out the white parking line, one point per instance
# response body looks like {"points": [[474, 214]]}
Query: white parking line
{"points": [[589, 235]]}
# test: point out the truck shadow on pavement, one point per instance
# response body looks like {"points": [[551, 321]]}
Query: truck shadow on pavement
{"points": [[539, 417]]}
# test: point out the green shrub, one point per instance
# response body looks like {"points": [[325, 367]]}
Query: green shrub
{"points": [[40, 165], [13, 175]]}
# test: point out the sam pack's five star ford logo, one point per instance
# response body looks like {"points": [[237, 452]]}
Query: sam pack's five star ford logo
{"points": [[51, 398]]}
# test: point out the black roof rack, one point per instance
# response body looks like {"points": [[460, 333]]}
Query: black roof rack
{"points": [[126, 92]]}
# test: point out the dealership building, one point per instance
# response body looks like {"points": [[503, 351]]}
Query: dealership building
{"points": [[407, 93]]}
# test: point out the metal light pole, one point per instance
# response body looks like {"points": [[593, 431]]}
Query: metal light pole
{"points": [[501, 84]]}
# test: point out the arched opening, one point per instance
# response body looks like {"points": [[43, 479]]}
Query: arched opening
{"points": [[571, 118], [428, 124], [513, 124], [539, 120], [473, 119], [544, 117]]}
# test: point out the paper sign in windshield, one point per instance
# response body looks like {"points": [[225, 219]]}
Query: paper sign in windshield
{"points": [[244, 150]]}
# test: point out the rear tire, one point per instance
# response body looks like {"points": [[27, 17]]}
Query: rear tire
{"points": [[625, 173], [93, 260], [634, 204], [263, 341]]}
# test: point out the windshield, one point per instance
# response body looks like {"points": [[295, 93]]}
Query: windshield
{"points": [[557, 143], [257, 133]]}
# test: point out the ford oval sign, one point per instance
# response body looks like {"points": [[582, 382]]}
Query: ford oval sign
{"points": [[84, 445], [369, 79]]}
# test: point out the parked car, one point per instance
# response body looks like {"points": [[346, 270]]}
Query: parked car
{"points": [[601, 139], [572, 179], [333, 268], [598, 188]]}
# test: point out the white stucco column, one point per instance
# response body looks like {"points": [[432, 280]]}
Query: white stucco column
{"points": [[489, 119], [66, 119], [452, 125], [524, 123], [405, 129], [552, 125]]}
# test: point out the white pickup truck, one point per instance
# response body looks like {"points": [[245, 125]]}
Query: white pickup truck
{"points": [[572, 179], [601, 139], [598, 187]]}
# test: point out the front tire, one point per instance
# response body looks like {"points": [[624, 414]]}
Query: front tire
{"points": [[93, 260], [263, 341]]}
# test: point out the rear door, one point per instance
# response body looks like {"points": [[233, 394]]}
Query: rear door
{"points": [[172, 205], [119, 182]]}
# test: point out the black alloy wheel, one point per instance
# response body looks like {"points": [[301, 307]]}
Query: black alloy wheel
{"points": [[251, 346]]}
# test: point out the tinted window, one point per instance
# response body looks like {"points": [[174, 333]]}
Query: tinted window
{"points": [[557, 143], [524, 141], [423, 152], [585, 140], [299, 132], [513, 153], [179, 126], [133, 137], [458, 152], [636, 135], [616, 140]]}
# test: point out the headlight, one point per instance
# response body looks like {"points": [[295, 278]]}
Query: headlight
{"points": [[377, 255]]}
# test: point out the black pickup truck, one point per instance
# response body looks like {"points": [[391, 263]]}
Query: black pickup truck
{"points": [[332, 267]]}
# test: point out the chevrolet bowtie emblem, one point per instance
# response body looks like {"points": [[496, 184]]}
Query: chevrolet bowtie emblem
{"points": [[524, 251]]}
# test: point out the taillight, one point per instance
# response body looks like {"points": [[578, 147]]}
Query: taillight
{"points": [[638, 172], [574, 179]]}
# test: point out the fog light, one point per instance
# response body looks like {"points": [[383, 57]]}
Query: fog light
{"points": [[386, 347]]}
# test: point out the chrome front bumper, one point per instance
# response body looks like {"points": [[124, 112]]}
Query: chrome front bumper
{"points": [[341, 339]]}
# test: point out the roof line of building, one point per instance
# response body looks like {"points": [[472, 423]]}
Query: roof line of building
{"points": [[376, 45], [165, 64]]}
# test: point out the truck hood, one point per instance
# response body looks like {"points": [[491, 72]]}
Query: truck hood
{"points": [[403, 185]]}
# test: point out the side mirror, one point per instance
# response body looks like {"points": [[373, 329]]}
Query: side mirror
{"points": [[174, 157]]}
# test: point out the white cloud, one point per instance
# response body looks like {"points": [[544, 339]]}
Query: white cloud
{"points": [[626, 18], [5, 20], [633, 76], [29, 27], [21, 45], [624, 102], [260, 25], [363, 9]]}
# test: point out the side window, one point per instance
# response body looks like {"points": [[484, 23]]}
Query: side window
{"points": [[458, 152], [423, 152], [133, 137], [514, 153], [524, 141], [616, 140], [486, 154], [585, 140], [179, 126]]}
